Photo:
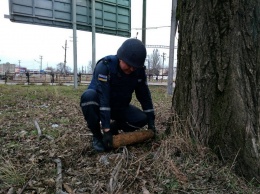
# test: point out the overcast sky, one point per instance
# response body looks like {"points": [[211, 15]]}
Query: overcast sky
{"points": [[28, 42]]}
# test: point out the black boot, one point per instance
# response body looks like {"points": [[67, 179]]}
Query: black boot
{"points": [[97, 144]]}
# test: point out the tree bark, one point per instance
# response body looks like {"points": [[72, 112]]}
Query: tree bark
{"points": [[217, 84]]}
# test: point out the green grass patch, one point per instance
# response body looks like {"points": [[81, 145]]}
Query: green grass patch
{"points": [[10, 174]]}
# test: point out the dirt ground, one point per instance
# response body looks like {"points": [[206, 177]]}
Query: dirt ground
{"points": [[46, 148]]}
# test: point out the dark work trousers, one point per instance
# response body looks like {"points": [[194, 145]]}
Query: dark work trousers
{"points": [[127, 119]]}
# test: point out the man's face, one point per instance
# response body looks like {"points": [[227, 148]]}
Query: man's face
{"points": [[127, 69]]}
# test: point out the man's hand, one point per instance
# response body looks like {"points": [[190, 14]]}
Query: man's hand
{"points": [[108, 140], [151, 126]]}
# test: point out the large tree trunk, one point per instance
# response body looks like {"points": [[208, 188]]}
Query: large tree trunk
{"points": [[217, 84]]}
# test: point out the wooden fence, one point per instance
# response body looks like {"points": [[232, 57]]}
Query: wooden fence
{"points": [[59, 78], [44, 78]]}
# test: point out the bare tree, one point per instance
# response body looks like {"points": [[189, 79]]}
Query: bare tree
{"points": [[63, 69], [90, 67], [155, 62], [218, 83], [51, 69]]}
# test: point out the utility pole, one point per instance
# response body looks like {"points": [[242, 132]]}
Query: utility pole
{"points": [[41, 64], [163, 56], [19, 65], [148, 69], [163, 62], [65, 57]]}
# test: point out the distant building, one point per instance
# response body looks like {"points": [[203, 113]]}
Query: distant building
{"points": [[20, 70], [7, 67]]}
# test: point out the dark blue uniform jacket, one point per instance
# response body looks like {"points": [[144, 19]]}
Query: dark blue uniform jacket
{"points": [[115, 88]]}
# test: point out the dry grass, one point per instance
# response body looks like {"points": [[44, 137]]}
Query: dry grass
{"points": [[10, 173], [173, 163]]}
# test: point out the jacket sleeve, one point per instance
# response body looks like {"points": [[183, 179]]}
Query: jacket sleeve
{"points": [[101, 76], [143, 95]]}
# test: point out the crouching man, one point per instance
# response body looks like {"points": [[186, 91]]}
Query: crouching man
{"points": [[108, 97]]}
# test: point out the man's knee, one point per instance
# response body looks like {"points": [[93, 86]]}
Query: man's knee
{"points": [[90, 106], [88, 96]]}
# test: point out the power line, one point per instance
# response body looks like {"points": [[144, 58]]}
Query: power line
{"points": [[159, 46], [149, 28]]}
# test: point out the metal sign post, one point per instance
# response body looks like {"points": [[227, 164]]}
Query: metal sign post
{"points": [[93, 33], [74, 12], [171, 52]]}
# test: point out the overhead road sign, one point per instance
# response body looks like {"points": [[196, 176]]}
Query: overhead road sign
{"points": [[113, 17]]}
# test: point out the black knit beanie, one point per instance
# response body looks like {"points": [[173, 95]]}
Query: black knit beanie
{"points": [[132, 52]]}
